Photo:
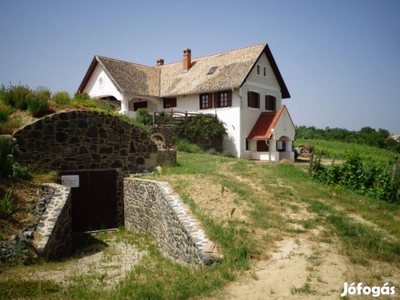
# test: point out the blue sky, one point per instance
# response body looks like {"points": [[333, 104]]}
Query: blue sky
{"points": [[340, 59]]}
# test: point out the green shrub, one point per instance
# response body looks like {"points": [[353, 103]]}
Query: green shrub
{"points": [[62, 98], [185, 146], [38, 105], [143, 116], [80, 97], [19, 172], [17, 96], [201, 127], [8, 151], [5, 112]]}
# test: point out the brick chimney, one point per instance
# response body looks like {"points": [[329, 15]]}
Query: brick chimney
{"points": [[187, 59], [160, 62]]}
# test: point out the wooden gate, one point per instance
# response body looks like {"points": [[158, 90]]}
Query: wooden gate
{"points": [[94, 198]]}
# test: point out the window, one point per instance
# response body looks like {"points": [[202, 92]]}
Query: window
{"points": [[212, 70], [258, 70], [253, 99], [270, 103], [205, 101], [223, 99], [137, 105], [265, 71], [280, 145], [169, 102]]}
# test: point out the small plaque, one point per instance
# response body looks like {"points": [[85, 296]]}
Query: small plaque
{"points": [[70, 180]]}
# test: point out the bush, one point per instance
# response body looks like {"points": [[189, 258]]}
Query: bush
{"points": [[185, 146], [5, 112], [62, 98], [38, 105], [201, 127], [143, 116], [17, 96], [78, 97], [8, 151]]}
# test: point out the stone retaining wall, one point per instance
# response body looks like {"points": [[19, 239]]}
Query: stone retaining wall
{"points": [[152, 208], [53, 235], [166, 157]]}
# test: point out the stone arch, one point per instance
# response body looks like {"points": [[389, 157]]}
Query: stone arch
{"points": [[159, 139], [87, 140]]}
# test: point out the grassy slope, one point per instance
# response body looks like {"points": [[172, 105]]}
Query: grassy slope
{"points": [[267, 191]]}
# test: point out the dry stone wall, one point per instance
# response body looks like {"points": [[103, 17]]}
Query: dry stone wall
{"points": [[53, 235], [88, 140], [152, 208]]}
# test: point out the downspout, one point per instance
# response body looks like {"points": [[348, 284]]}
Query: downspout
{"points": [[269, 150], [241, 150]]}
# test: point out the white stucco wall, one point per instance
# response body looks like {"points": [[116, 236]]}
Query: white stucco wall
{"points": [[262, 85], [100, 85], [284, 127]]}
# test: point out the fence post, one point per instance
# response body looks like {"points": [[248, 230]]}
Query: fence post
{"points": [[333, 160], [310, 165], [396, 161]]}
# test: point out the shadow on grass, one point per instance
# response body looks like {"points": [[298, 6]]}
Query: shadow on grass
{"points": [[85, 244]]}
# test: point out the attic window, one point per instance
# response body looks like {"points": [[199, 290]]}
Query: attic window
{"points": [[212, 70]]}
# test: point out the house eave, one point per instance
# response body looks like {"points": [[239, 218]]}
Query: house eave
{"points": [[284, 90]]}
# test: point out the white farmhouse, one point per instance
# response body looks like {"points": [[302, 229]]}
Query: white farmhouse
{"points": [[244, 88]]}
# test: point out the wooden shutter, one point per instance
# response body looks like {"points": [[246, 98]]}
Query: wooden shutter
{"points": [[210, 100], [229, 98], [173, 102], [216, 97], [253, 99], [270, 103]]}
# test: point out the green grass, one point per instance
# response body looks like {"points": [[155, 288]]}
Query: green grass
{"points": [[270, 192]]}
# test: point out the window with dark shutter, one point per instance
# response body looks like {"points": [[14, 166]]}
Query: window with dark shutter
{"points": [[169, 102], [223, 99], [253, 99], [205, 101], [270, 103]]}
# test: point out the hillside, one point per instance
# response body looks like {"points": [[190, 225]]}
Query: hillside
{"points": [[282, 234]]}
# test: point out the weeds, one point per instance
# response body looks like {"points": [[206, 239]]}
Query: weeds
{"points": [[7, 205], [305, 289]]}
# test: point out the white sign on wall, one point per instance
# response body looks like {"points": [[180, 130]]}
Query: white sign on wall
{"points": [[70, 181]]}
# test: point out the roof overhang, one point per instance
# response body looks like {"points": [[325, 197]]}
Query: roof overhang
{"points": [[274, 66]]}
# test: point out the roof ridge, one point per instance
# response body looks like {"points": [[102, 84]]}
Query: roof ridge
{"points": [[124, 61], [217, 54]]}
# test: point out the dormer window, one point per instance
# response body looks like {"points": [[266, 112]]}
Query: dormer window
{"points": [[212, 70]]}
